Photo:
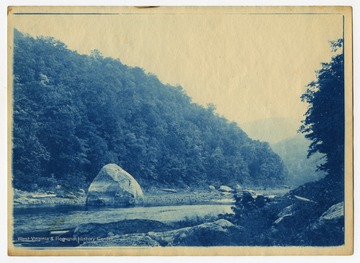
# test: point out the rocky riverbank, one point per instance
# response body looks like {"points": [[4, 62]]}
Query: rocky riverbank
{"points": [[254, 220], [219, 232], [154, 197], [47, 198]]}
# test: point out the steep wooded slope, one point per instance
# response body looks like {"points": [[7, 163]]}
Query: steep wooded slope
{"points": [[74, 113]]}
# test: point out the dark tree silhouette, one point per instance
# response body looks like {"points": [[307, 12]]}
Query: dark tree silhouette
{"points": [[324, 119]]}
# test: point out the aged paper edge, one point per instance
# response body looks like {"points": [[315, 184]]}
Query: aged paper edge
{"points": [[346, 249]]}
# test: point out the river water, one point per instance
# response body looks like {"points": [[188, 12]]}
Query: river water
{"points": [[31, 220]]}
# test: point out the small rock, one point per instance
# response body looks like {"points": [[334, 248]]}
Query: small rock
{"points": [[212, 188], [287, 211], [333, 213], [285, 218], [247, 196], [225, 188], [252, 192], [238, 187], [71, 196], [303, 199]]}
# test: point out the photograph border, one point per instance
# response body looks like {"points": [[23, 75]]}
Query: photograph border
{"points": [[347, 249]]}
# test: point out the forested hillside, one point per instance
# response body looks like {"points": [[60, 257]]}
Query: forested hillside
{"points": [[74, 113]]}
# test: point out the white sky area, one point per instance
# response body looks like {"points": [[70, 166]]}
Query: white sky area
{"points": [[251, 66]]}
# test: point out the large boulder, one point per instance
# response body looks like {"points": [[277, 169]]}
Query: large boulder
{"points": [[113, 186]]}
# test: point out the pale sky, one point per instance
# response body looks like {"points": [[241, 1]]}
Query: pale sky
{"points": [[251, 66]]}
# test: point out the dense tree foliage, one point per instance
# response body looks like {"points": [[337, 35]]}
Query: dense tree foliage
{"points": [[75, 113], [325, 120]]}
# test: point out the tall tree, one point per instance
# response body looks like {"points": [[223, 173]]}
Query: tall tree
{"points": [[324, 119]]}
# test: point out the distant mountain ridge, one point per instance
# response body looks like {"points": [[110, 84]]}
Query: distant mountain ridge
{"points": [[291, 146], [271, 130], [301, 169]]}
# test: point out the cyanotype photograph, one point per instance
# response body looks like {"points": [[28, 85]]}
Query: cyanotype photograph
{"points": [[172, 130]]}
